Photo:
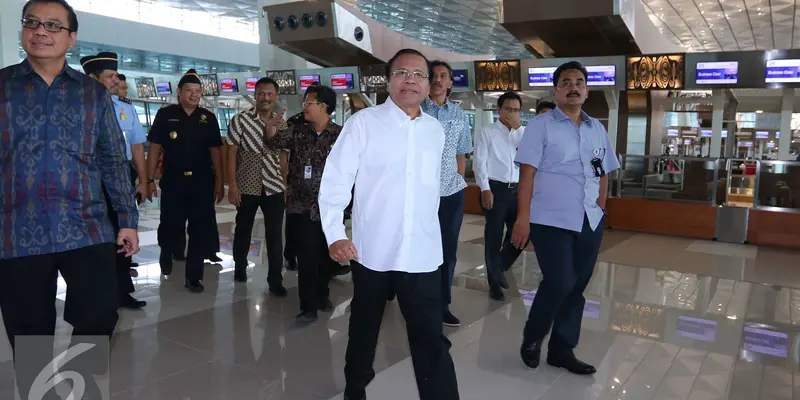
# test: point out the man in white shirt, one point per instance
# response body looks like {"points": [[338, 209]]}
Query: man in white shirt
{"points": [[497, 175], [392, 153]]}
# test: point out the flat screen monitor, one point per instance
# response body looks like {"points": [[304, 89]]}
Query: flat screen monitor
{"points": [[229, 85], [307, 80], [765, 341], [672, 132], [342, 81], [705, 133], [697, 329], [745, 144], [460, 78], [777, 135], [724, 134], [602, 75], [783, 71], [209, 84], [541, 76], [717, 73], [163, 88], [687, 142], [250, 83], [762, 135], [771, 145]]}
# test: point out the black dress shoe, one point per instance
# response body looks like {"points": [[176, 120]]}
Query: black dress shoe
{"points": [[194, 286], [571, 364], [131, 303], [326, 306], [531, 352], [307, 317], [134, 265], [278, 290], [448, 319], [214, 258], [179, 257], [166, 265], [503, 281], [291, 265], [240, 275], [497, 294]]}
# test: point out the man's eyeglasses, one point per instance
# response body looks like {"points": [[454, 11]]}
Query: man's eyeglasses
{"points": [[571, 84], [49, 26], [511, 110], [402, 73], [310, 103]]}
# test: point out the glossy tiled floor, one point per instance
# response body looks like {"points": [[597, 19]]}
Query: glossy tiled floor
{"points": [[665, 319]]}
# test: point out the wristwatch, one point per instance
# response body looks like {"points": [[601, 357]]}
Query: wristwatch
{"points": [[150, 180]]}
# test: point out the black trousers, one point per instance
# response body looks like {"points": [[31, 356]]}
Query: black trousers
{"points": [[291, 252], [314, 267], [567, 260], [187, 198], [451, 214], [123, 263], [28, 287], [272, 206], [499, 252], [420, 299]]}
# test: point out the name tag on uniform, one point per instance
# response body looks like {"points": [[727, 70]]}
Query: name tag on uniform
{"points": [[307, 172]]}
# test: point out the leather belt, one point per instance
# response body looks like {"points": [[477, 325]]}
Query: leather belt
{"points": [[509, 185]]}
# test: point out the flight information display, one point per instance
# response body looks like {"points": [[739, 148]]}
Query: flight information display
{"points": [[765, 341], [308, 80], [342, 81], [599, 75], [672, 132], [229, 85], [697, 328], [783, 71], [762, 135], [717, 73], [705, 133], [250, 83]]}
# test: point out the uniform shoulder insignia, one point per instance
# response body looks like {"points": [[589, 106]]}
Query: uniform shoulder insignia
{"points": [[211, 112], [126, 100], [165, 106]]}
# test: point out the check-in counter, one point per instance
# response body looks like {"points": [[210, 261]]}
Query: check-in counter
{"points": [[747, 201]]}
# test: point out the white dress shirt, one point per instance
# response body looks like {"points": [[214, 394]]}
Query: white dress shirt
{"points": [[495, 150], [395, 164]]}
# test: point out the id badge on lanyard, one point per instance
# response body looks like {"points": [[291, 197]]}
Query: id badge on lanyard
{"points": [[307, 172]]}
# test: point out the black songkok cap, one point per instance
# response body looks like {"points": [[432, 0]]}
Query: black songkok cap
{"points": [[190, 77], [99, 63]]}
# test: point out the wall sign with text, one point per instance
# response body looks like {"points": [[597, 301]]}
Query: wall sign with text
{"points": [[373, 78], [497, 76], [655, 72], [286, 81]]}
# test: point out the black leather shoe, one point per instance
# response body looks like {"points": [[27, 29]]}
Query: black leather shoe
{"points": [[134, 265], [571, 364], [326, 306], [166, 265], [131, 303], [531, 352], [214, 258], [278, 290], [240, 275], [291, 265], [194, 286], [503, 281], [179, 257], [497, 294], [448, 319]]}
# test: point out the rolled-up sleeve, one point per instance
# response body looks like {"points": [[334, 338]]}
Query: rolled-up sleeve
{"points": [[531, 149], [114, 168], [335, 190]]}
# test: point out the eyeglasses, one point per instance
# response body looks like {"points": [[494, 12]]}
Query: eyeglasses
{"points": [[310, 103], [402, 73], [49, 26], [511, 110], [570, 84]]}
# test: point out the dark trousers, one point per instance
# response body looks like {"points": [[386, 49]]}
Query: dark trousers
{"points": [[123, 263], [187, 198], [567, 260], [28, 288], [451, 214], [420, 299], [272, 206], [315, 266], [499, 252], [291, 252]]}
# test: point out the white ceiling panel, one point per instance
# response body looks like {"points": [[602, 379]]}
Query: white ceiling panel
{"points": [[727, 25]]}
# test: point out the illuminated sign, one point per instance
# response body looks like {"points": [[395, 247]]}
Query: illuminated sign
{"points": [[717, 73], [599, 75], [373, 78], [287, 83], [497, 76], [209, 84], [655, 72], [783, 71], [342, 81]]}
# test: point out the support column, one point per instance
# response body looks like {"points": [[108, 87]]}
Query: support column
{"points": [[718, 101], [10, 32], [787, 106], [612, 98], [730, 142]]}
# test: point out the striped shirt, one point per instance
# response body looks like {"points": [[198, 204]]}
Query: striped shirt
{"points": [[257, 168]]}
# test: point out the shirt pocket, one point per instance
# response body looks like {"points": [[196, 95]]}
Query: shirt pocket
{"points": [[429, 168], [82, 136]]}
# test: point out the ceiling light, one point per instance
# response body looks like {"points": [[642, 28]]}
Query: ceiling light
{"points": [[759, 111]]}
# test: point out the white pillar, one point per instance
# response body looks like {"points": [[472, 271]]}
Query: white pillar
{"points": [[787, 106], [612, 98], [718, 101], [10, 14]]}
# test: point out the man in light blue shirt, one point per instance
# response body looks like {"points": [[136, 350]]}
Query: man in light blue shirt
{"points": [[458, 143], [564, 159], [103, 67]]}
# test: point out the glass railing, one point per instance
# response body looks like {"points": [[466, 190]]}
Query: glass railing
{"points": [[764, 184], [684, 179]]}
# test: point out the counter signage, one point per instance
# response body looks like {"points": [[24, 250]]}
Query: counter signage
{"points": [[771, 145], [765, 341], [717, 73], [163, 88], [672, 132], [697, 328], [497, 76], [599, 75], [783, 71], [287, 83], [341, 81], [745, 144], [706, 133], [762, 135], [308, 80], [229, 85], [250, 83]]}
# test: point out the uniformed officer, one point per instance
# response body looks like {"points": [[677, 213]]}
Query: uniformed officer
{"points": [[191, 140], [103, 67], [568, 155], [122, 88]]}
